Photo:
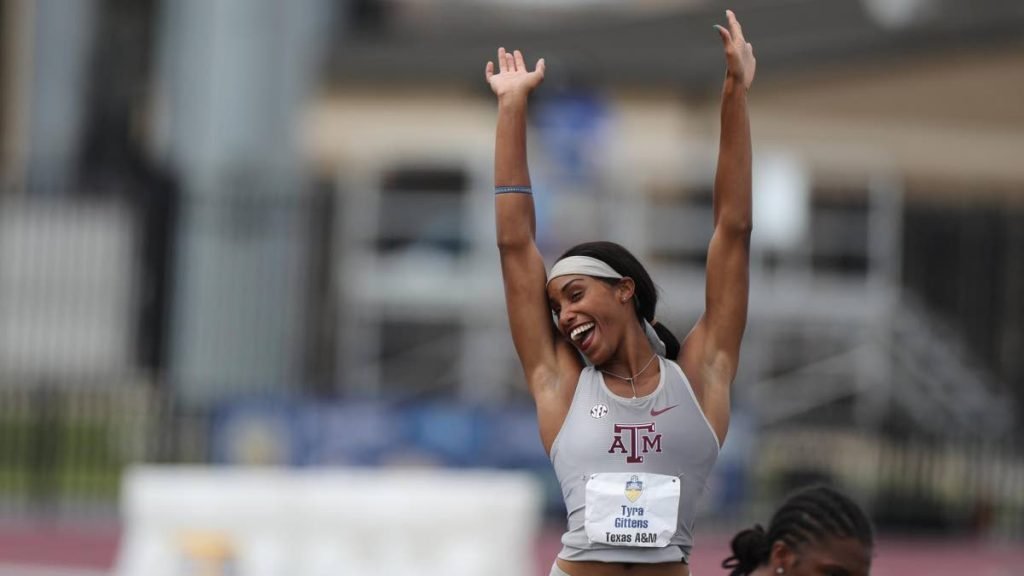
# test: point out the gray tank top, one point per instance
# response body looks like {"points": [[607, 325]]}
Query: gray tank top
{"points": [[664, 432]]}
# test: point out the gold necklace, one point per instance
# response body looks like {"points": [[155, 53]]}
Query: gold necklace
{"points": [[630, 379]]}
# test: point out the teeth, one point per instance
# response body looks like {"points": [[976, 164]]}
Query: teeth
{"points": [[580, 330]]}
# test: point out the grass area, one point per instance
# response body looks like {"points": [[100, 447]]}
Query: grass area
{"points": [[69, 459]]}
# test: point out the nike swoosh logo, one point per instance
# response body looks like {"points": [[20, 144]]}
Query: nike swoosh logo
{"points": [[657, 412]]}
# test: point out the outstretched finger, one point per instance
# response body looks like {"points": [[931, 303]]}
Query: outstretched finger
{"points": [[510, 62], [734, 26], [502, 63], [726, 37], [489, 70], [540, 67], [520, 62]]}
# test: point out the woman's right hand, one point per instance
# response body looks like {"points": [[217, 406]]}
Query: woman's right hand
{"points": [[739, 54], [513, 79]]}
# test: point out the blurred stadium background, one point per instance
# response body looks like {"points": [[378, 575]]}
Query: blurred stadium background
{"points": [[251, 235]]}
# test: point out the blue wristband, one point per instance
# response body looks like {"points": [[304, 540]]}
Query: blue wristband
{"points": [[513, 189]]}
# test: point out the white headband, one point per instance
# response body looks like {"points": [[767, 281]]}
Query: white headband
{"points": [[588, 266], [584, 265]]}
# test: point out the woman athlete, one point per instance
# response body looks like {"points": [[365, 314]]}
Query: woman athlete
{"points": [[631, 419], [816, 532]]}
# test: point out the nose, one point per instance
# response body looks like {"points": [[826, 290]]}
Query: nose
{"points": [[566, 318]]}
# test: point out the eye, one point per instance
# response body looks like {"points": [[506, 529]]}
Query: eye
{"points": [[576, 296]]}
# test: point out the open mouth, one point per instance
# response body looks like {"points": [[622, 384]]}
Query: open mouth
{"points": [[583, 335]]}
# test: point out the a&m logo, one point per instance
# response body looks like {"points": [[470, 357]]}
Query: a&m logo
{"points": [[635, 440], [633, 488]]}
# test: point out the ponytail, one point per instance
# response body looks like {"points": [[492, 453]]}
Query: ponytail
{"points": [[750, 549]]}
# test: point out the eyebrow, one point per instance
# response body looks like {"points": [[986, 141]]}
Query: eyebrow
{"points": [[570, 283], [551, 303]]}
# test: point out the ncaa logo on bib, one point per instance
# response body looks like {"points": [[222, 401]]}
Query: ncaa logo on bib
{"points": [[633, 488], [598, 411]]}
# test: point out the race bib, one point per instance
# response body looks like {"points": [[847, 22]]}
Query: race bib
{"points": [[626, 509]]}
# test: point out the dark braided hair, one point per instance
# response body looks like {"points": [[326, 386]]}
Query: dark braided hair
{"points": [[807, 516], [646, 301]]}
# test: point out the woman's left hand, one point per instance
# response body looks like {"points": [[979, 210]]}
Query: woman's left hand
{"points": [[739, 54]]}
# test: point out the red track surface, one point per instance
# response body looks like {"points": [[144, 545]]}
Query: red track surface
{"points": [[92, 546]]}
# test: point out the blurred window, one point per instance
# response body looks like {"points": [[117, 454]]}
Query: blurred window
{"points": [[679, 226], [423, 208], [420, 358], [839, 231]]}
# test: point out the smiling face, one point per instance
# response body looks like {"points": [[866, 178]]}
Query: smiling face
{"points": [[592, 313], [832, 556]]}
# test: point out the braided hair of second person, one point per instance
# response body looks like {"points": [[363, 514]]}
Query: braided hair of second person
{"points": [[807, 517]]}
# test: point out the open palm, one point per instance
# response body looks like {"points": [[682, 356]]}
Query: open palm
{"points": [[513, 77], [739, 54]]}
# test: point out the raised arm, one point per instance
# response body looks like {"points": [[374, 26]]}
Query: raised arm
{"points": [[522, 266], [710, 354]]}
